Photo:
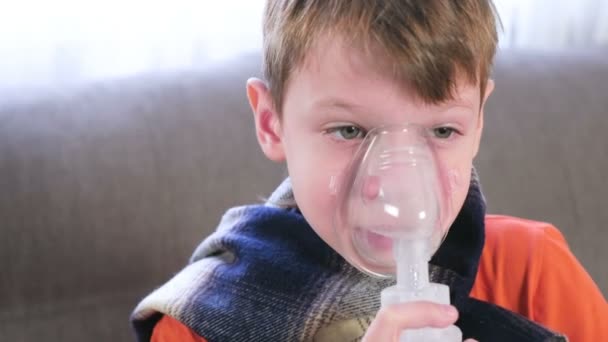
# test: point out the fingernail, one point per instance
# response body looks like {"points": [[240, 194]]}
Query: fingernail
{"points": [[450, 311]]}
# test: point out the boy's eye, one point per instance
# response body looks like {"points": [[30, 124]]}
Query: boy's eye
{"points": [[443, 132], [347, 132]]}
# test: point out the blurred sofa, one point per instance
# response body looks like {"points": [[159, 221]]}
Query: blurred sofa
{"points": [[106, 188]]}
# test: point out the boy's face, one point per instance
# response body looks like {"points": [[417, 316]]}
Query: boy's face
{"points": [[331, 101]]}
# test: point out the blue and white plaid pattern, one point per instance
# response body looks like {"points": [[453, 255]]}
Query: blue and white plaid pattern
{"points": [[265, 275]]}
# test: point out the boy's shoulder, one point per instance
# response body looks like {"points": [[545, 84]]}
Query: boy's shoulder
{"points": [[507, 230], [518, 245], [513, 259], [516, 255], [527, 267]]}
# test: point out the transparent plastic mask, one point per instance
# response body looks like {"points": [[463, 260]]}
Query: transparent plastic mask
{"points": [[394, 191]]}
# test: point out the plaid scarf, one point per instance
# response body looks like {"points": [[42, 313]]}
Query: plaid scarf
{"points": [[265, 275]]}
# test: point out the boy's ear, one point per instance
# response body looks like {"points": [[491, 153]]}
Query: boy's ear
{"points": [[487, 93], [267, 123]]}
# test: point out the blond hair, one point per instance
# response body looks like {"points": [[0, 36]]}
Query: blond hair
{"points": [[425, 44]]}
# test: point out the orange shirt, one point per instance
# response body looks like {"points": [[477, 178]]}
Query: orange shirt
{"points": [[526, 267]]}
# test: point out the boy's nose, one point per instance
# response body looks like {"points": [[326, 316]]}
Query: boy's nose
{"points": [[371, 187]]}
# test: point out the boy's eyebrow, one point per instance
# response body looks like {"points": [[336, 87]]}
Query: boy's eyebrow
{"points": [[334, 102], [457, 103]]}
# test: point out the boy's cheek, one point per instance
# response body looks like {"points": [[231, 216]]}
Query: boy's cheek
{"points": [[459, 187]]}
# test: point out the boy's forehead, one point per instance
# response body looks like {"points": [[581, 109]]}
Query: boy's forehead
{"points": [[333, 61], [333, 55]]}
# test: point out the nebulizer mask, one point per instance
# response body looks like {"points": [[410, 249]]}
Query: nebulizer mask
{"points": [[392, 205]]}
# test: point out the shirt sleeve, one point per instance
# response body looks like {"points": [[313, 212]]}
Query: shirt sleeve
{"points": [[169, 329], [565, 298]]}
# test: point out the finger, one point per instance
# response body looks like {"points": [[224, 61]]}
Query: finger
{"points": [[393, 319]]}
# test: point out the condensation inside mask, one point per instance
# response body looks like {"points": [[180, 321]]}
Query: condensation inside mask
{"points": [[393, 200]]}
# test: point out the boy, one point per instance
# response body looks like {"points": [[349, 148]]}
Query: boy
{"points": [[334, 70]]}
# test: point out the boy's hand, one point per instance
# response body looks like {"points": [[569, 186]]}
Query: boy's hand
{"points": [[393, 319]]}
